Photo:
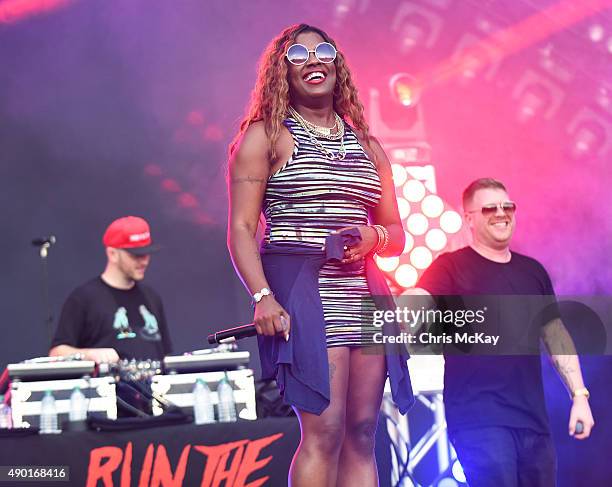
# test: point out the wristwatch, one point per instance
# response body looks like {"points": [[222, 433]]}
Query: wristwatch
{"points": [[583, 391], [257, 297]]}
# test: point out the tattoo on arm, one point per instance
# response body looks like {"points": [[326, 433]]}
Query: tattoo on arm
{"points": [[561, 348], [566, 370], [332, 370], [248, 179], [557, 339]]}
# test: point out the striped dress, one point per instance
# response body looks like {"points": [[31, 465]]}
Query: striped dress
{"points": [[308, 198]]}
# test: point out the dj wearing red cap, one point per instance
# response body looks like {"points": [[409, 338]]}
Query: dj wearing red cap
{"points": [[115, 316]]}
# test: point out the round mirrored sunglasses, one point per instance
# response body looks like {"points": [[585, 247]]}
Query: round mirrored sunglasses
{"points": [[298, 54]]}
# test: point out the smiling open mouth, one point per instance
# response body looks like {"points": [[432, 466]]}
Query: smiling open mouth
{"points": [[500, 224], [315, 77]]}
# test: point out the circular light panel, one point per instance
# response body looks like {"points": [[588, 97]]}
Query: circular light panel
{"points": [[417, 224], [387, 264], [450, 221], [436, 239], [432, 206], [414, 190], [421, 257], [406, 275]]}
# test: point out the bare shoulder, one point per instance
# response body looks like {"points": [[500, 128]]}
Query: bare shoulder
{"points": [[248, 162], [253, 143]]}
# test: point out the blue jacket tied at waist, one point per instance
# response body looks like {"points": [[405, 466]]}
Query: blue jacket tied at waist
{"points": [[300, 366]]}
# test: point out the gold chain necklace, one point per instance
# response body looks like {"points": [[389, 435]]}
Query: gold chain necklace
{"points": [[317, 143], [324, 132]]}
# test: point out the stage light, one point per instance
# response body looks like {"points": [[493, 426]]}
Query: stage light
{"points": [[416, 26], [533, 102], [421, 257], [417, 224], [423, 215], [426, 174], [596, 33], [536, 96], [473, 56], [344, 8], [590, 134], [587, 140], [406, 275], [399, 174], [414, 190], [432, 206], [403, 207], [387, 264], [609, 44], [436, 239], [404, 89], [552, 61], [458, 473], [450, 221], [409, 243]]}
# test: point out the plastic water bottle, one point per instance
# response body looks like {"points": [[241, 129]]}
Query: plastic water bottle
{"points": [[6, 417], [203, 409], [227, 404], [78, 405], [48, 415]]}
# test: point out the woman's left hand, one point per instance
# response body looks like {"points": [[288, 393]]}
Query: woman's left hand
{"points": [[369, 240]]}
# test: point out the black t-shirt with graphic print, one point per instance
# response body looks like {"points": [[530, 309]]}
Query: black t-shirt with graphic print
{"points": [[132, 321], [503, 390]]}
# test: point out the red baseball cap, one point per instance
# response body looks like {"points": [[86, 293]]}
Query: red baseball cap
{"points": [[130, 233]]}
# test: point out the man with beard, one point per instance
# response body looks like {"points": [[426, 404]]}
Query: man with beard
{"points": [[495, 407]]}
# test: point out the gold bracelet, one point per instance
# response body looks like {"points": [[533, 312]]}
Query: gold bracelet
{"points": [[379, 237], [583, 391], [386, 242], [383, 239]]}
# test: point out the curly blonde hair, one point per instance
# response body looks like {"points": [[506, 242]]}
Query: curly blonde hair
{"points": [[270, 97]]}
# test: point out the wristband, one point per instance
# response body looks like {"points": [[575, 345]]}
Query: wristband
{"points": [[583, 391], [258, 296]]}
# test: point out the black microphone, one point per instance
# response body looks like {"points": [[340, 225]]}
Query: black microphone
{"points": [[39, 242], [233, 334]]}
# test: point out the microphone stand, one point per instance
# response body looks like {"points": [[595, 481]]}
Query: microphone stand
{"points": [[44, 253]]}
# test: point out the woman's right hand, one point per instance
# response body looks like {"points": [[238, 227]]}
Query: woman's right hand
{"points": [[271, 318]]}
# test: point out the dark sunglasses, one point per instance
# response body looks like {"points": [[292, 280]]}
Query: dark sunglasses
{"points": [[508, 207], [298, 54]]}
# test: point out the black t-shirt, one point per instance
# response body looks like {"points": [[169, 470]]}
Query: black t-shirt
{"points": [[131, 321], [492, 390]]}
